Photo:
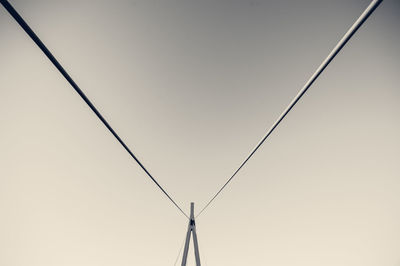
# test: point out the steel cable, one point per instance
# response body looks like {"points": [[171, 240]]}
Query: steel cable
{"points": [[49, 55], [357, 24]]}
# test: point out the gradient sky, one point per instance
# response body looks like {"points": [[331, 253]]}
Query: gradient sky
{"points": [[192, 86]]}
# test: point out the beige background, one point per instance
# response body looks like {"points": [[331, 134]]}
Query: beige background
{"points": [[192, 86]]}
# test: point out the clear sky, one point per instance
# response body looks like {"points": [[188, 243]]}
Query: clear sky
{"points": [[192, 86]]}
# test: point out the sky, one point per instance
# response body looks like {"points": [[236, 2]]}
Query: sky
{"points": [[191, 87]]}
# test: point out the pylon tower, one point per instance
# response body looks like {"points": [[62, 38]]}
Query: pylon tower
{"points": [[191, 230]]}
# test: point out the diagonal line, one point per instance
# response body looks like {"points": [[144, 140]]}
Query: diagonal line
{"points": [[180, 250], [46, 51], [357, 24]]}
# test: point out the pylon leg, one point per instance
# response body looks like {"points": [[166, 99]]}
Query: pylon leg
{"points": [[196, 246], [186, 249]]}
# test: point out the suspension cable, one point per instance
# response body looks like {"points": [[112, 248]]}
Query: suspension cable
{"points": [[364, 16], [46, 51]]}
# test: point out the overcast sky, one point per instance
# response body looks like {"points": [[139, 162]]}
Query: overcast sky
{"points": [[192, 86]]}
